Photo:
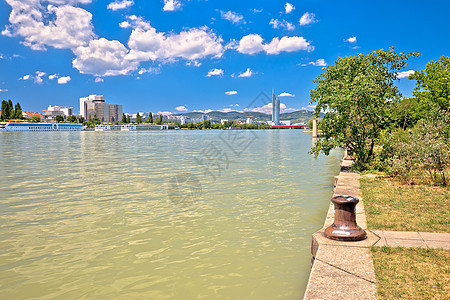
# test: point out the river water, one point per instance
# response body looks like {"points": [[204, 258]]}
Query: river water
{"points": [[160, 215]]}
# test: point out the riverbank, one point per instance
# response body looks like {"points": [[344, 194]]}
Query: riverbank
{"points": [[382, 266], [342, 270]]}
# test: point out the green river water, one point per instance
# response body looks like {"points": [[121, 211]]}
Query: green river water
{"points": [[160, 215]]}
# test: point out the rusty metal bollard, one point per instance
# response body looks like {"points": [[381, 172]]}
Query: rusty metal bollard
{"points": [[344, 227]]}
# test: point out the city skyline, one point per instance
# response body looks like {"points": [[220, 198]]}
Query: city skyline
{"points": [[182, 56]]}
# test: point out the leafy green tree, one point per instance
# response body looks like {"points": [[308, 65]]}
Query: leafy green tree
{"points": [[128, 119], [150, 118], [407, 112], [207, 124], [59, 118], [199, 125], [124, 118], [72, 119], [35, 119], [432, 84], [191, 125], [159, 120], [5, 110], [18, 111], [80, 119], [356, 95], [138, 118], [96, 120], [11, 114]]}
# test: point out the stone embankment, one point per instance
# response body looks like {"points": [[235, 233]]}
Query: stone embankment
{"points": [[344, 270]]}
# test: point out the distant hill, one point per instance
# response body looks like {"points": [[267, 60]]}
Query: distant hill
{"points": [[301, 116]]}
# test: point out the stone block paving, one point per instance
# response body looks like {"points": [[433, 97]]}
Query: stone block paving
{"points": [[410, 239]]}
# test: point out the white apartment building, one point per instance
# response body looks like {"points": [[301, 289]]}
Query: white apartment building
{"points": [[95, 105]]}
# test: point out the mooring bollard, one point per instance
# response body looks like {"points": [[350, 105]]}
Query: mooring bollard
{"points": [[344, 227]]}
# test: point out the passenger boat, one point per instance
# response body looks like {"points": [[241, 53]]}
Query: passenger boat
{"points": [[41, 127]]}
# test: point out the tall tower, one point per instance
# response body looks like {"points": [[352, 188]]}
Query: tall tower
{"points": [[275, 109]]}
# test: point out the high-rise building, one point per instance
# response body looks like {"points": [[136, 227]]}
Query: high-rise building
{"points": [[275, 109], [95, 105]]}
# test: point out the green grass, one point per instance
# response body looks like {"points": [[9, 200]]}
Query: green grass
{"points": [[412, 273], [393, 206]]}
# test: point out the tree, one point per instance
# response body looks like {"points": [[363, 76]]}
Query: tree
{"points": [[10, 110], [5, 110], [96, 120], [80, 120], [18, 111], [150, 118], [138, 118], [158, 120], [432, 84], [207, 124], [356, 95], [35, 119], [128, 119], [59, 118], [124, 118], [72, 119]]}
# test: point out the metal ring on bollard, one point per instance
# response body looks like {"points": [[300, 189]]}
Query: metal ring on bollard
{"points": [[344, 227]]}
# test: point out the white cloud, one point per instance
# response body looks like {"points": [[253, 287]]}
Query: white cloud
{"points": [[99, 79], [165, 113], [63, 27], [215, 72], [171, 5], [120, 4], [281, 24], [405, 74], [3, 90], [289, 7], [25, 77], [103, 58], [38, 77], [64, 80], [150, 70], [247, 73], [287, 44], [255, 11], [253, 43], [286, 95], [267, 109], [192, 44], [318, 63], [233, 17], [124, 24], [229, 93], [193, 63], [203, 111], [307, 18], [181, 108], [351, 39], [54, 76]]}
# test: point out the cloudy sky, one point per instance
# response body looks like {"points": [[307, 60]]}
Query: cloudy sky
{"points": [[187, 55]]}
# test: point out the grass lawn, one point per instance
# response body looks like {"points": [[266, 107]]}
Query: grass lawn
{"points": [[412, 273], [393, 206]]}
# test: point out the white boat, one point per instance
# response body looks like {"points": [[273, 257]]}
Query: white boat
{"points": [[42, 127]]}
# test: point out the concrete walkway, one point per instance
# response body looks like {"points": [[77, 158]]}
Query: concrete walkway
{"points": [[344, 270], [409, 239]]}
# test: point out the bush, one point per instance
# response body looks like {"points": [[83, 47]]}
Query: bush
{"points": [[425, 149]]}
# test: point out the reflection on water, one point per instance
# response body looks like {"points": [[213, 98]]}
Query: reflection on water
{"points": [[123, 214]]}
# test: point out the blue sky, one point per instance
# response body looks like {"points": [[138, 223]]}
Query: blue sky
{"points": [[187, 55]]}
